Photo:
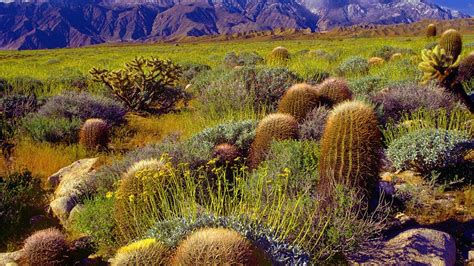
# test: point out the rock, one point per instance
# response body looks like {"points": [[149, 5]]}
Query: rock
{"points": [[470, 255], [11, 258], [74, 212], [71, 183], [61, 207], [412, 247]]}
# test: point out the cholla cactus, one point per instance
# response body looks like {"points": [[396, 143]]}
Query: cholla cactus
{"points": [[144, 85], [437, 64]]}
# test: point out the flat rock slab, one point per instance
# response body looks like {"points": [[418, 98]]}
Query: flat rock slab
{"points": [[11, 258], [412, 247]]}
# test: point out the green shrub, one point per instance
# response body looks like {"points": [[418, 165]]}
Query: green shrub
{"points": [[426, 150], [258, 87], [353, 65], [97, 221], [50, 129], [368, 85], [192, 70], [200, 146], [296, 159], [243, 59], [386, 52], [21, 197], [312, 127]]}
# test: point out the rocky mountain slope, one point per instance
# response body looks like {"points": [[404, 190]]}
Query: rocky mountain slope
{"points": [[41, 24]]}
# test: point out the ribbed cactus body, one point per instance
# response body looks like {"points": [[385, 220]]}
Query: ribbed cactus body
{"points": [[451, 42], [136, 193], [375, 61], [350, 148], [226, 153], [217, 246], [47, 247], [299, 100], [278, 56], [272, 127], [142, 252], [333, 91], [466, 69], [94, 134], [431, 31]]}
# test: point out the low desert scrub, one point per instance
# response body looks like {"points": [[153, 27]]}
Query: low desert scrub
{"points": [[44, 159]]}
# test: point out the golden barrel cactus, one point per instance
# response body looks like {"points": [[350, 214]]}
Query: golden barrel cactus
{"points": [[350, 148], [218, 246], [272, 127], [299, 100]]}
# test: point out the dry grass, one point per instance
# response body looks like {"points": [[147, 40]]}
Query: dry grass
{"points": [[43, 159]]}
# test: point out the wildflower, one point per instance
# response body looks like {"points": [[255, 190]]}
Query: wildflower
{"points": [[131, 198], [109, 195]]}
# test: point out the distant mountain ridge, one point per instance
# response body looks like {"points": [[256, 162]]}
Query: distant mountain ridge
{"points": [[41, 24]]}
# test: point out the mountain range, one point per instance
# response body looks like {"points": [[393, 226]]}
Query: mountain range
{"points": [[42, 24]]}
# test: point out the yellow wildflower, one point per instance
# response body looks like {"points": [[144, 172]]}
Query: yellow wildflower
{"points": [[131, 198], [109, 194]]}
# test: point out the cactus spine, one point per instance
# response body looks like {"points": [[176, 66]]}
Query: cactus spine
{"points": [[350, 147], [278, 56], [431, 31], [46, 247], [333, 91], [94, 134], [143, 252], [466, 69], [298, 101], [272, 127], [217, 246], [451, 42], [138, 191]]}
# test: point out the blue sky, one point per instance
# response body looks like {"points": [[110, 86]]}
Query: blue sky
{"points": [[466, 6]]}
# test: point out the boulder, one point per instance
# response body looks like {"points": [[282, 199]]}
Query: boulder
{"points": [[412, 247], [71, 183], [11, 258]]}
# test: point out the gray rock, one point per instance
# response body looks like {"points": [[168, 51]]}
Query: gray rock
{"points": [[11, 258], [412, 247], [71, 183]]}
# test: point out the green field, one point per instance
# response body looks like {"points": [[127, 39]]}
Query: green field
{"points": [[44, 64], [300, 180]]}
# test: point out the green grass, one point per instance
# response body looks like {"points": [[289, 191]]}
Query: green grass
{"points": [[44, 64]]}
